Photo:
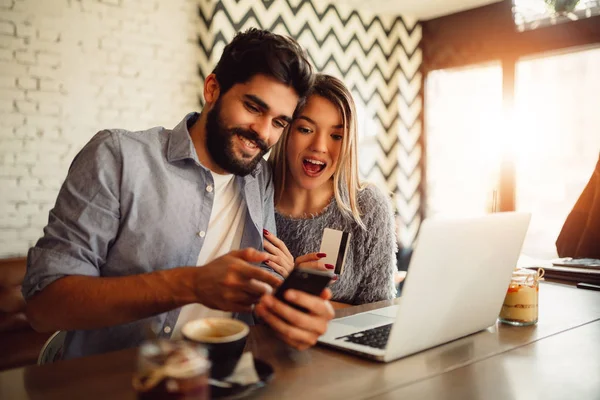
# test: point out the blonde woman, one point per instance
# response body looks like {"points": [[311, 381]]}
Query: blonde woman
{"points": [[317, 187]]}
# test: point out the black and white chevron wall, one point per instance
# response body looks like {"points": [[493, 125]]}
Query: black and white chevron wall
{"points": [[377, 56]]}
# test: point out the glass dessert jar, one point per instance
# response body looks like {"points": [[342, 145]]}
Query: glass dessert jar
{"points": [[174, 370], [520, 307]]}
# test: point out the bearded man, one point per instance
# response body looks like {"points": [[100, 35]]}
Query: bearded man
{"points": [[158, 227]]}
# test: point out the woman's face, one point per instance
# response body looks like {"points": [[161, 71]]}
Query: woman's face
{"points": [[314, 143]]}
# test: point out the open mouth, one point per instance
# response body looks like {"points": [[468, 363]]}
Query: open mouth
{"points": [[248, 143], [249, 147], [313, 167]]}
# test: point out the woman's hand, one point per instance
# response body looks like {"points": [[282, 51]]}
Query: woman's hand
{"points": [[280, 258], [313, 261]]}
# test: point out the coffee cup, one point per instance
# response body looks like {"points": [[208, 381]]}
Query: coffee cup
{"points": [[224, 338]]}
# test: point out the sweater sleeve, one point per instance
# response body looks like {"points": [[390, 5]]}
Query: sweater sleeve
{"points": [[269, 209], [379, 249]]}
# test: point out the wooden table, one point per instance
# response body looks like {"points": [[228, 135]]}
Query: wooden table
{"points": [[557, 358]]}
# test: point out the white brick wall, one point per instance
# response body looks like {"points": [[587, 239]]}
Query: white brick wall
{"points": [[69, 68]]}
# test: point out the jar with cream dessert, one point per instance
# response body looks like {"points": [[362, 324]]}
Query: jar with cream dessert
{"points": [[520, 305]]}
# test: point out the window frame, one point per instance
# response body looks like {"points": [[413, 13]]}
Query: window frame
{"points": [[489, 34]]}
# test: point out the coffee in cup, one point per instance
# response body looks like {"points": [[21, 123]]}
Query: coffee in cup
{"points": [[224, 338]]}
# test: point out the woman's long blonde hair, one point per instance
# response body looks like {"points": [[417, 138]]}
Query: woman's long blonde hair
{"points": [[346, 181]]}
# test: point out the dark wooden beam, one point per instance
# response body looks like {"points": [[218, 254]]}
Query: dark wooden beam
{"points": [[488, 33], [507, 183]]}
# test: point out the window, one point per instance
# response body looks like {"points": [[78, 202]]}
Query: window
{"points": [[462, 152], [551, 138], [556, 101], [532, 14]]}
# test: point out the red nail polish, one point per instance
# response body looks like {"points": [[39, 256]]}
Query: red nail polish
{"points": [[329, 266], [334, 278], [321, 255], [266, 232]]}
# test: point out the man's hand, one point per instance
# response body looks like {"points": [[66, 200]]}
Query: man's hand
{"points": [[74, 302], [296, 328], [229, 283]]}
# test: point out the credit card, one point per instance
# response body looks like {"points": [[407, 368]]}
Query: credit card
{"points": [[335, 244]]}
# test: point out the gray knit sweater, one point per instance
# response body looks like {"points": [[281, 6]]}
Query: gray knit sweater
{"points": [[371, 259]]}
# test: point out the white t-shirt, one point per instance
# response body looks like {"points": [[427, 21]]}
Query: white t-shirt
{"points": [[224, 234]]}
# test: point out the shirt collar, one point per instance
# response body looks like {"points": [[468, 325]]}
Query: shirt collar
{"points": [[181, 147]]}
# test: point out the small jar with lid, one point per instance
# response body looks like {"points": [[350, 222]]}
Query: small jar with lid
{"points": [[520, 307], [172, 369]]}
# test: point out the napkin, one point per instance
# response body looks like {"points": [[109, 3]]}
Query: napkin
{"points": [[244, 372]]}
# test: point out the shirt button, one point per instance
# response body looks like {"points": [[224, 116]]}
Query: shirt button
{"points": [[201, 233], [167, 329], [209, 188]]}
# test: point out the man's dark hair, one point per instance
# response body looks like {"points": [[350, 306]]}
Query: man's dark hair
{"points": [[262, 52]]}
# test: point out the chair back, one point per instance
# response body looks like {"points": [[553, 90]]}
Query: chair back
{"points": [[52, 350]]}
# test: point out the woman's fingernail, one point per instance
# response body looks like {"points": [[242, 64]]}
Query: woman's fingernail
{"points": [[266, 232], [334, 278], [329, 266], [321, 255]]}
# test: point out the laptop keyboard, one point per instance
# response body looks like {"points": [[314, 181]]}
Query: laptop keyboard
{"points": [[374, 337]]}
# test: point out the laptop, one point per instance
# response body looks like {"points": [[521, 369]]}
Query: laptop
{"points": [[457, 279]]}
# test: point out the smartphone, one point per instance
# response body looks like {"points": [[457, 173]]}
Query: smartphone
{"points": [[582, 285], [591, 263], [307, 280]]}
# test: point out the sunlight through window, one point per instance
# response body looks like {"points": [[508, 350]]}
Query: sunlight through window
{"points": [[557, 103], [464, 145]]}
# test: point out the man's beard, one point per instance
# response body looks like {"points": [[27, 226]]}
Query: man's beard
{"points": [[219, 142]]}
